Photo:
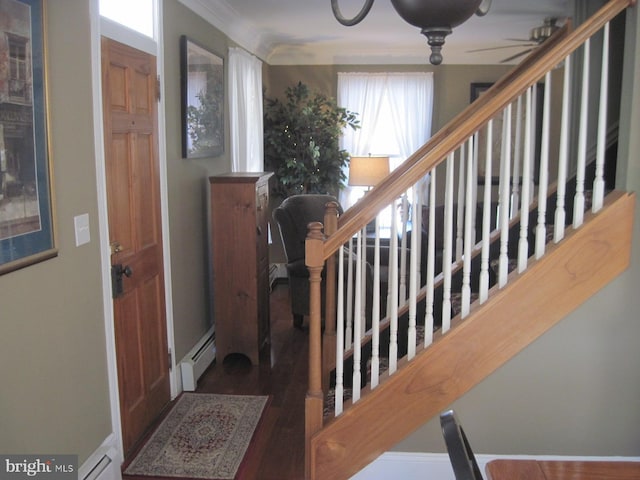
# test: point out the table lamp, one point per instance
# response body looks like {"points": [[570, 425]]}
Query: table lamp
{"points": [[367, 171]]}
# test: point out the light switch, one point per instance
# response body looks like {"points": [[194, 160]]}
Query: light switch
{"points": [[83, 234]]}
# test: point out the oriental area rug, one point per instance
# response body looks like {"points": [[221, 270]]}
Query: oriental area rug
{"points": [[203, 436]]}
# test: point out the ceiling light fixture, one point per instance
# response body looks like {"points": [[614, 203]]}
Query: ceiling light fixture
{"points": [[435, 18]]}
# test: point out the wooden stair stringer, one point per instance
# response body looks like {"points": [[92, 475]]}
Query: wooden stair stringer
{"points": [[512, 318]]}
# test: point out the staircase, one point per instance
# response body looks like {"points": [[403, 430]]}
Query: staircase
{"points": [[517, 264]]}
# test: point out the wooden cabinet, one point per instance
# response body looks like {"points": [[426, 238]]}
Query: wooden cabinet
{"points": [[240, 252]]}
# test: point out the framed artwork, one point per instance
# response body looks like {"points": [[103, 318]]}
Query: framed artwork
{"points": [[477, 89], [202, 91], [26, 210]]}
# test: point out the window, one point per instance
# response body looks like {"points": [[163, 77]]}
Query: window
{"points": [[134, 14], [395, 116], [18, 67]]}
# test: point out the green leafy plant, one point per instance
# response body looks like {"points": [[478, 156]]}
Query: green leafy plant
{"points": [[301, 142]]}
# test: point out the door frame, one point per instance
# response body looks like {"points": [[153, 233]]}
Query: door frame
{"points": [[101, 27]]}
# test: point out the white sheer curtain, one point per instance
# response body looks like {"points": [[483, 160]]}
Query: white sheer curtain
{"points": [[245, 111], [363, 94], [395, 111], [411, 99]]}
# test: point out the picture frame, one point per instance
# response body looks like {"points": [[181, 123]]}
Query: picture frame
{"points": [[26, 197], [476, 90], [202, 93]]}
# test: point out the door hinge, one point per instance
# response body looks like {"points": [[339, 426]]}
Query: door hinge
{"points": [[158, 95], [170, 361]]}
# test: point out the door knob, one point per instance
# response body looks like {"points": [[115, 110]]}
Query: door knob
{"points": [[117, 272]]}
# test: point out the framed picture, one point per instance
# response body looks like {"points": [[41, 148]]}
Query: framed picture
{"points": [[477, 89], [26, 211], [202, 85]]}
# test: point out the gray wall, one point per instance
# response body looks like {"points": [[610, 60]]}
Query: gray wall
{"points": [[451, 82], [53, 371], [187, 181]]}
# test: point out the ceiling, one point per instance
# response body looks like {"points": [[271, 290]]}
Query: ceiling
{"points": [[304, 32]]}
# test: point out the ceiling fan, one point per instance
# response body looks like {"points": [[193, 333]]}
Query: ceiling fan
{"points": [[537, 36]]}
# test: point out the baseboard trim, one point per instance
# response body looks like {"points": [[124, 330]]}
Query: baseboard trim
{"points": [[104, 463], [193, 365], [418, 466], [277, 273]]}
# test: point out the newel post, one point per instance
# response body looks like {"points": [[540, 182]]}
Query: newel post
{"points": [[329, 340], [314, 260]]}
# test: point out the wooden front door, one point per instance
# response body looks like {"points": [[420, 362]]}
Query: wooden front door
{"points": [[135, 234]]}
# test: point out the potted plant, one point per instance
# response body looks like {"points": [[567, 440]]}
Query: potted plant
{"points": [[301, 142]]}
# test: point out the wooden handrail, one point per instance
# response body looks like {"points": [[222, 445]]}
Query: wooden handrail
{"points": [[445, 141]]}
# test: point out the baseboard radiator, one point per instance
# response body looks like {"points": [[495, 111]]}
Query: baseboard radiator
{"points": [[277, 271], [197, 360], [101, 465]]}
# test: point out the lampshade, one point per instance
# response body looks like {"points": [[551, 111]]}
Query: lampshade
{"points": [[367, 171]]}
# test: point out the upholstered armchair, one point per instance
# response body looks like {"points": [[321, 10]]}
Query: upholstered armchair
{"points": [[292, 217]]}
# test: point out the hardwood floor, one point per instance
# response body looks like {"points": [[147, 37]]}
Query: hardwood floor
{"points": [[278, 449]]}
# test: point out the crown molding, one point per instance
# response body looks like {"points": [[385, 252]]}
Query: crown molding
{"points": [[281, 48], [222, 16]]}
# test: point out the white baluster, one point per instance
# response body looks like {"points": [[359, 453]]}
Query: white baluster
{"points": [[375, 311], [339, 390], [357, 321], [523, 241], [403, 250], [563, 155], [534, 137], [541, 227], [431, 260], [414, 262], [598, 183], [517, 159], [474, 184], [363, 283], [578, 201], [486, 217], [468, 230], [505, 173], [422, 187], [393, 316], [448, 246], [392, 282], [460, 203], [348, 332]]}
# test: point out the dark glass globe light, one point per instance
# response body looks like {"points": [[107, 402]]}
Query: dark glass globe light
{"points": [[435, 18]]}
